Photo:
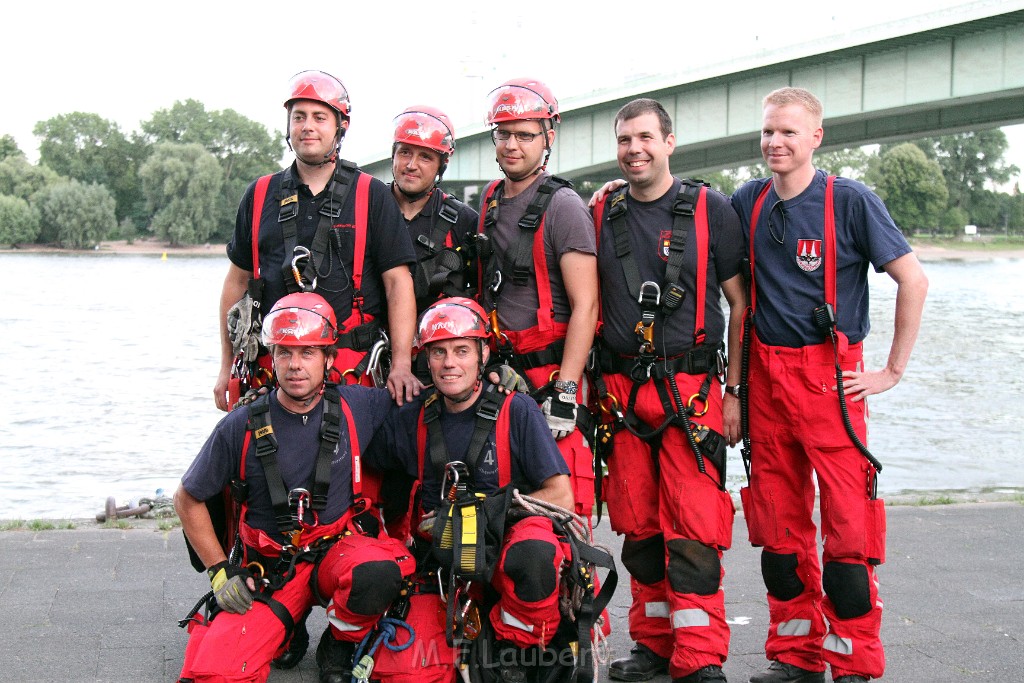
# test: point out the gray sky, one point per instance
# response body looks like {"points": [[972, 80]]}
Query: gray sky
{"points": [[125, 60]]}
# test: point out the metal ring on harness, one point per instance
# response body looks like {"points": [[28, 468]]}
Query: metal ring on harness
{"points": [[301, 252], [643, 291], [553, 375], [614, 407], [257, 570], [689, 404]]}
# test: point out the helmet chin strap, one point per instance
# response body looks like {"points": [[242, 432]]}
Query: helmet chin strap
{"points": [[330, 157], [536, 171], [469, 394], [415, 196], [308, 400]]}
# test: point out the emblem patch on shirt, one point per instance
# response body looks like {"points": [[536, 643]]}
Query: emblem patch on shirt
{"points": [[808, 255], [666, 240]]}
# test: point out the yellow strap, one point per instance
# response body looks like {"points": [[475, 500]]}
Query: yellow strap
{"points": [[467, 561]]}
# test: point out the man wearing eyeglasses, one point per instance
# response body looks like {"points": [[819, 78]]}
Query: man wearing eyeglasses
{"points": [[668, 249], [538, 267], [811, 238], [320, 225]]}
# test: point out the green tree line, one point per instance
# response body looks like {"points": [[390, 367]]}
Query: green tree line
{"points": [[934, 185], [180, 178]]}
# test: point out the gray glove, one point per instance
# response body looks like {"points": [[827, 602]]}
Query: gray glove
{"points": [[560, 409], [509, 380], [239, 322], [230, 587]]}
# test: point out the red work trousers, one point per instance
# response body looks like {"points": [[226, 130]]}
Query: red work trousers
{"points": [[796, 431], [526, 579], [666, 494], [239, 647]]}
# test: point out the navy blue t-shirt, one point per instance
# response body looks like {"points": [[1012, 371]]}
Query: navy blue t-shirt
{"points": [[387, 244], [535, 456], [790, 277], [219, 460], [650, 227]]}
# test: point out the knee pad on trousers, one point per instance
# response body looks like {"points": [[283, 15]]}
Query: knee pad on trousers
{"points": [[847, 587], [530, 564], [645, 559], [780, 577], [375, 585], [693, 567]]}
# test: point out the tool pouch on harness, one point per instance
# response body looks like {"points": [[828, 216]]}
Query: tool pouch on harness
{"points": [[468, 533]]}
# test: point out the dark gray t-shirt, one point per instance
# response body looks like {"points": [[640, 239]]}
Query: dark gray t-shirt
{"points": [[567, 227]]}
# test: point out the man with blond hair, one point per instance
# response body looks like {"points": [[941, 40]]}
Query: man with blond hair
{"points": [[810, 240]]}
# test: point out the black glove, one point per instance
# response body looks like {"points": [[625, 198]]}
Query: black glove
{"points": [[560, 409], [230, 587]]}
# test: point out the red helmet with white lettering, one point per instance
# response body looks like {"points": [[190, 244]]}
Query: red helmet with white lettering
{"points": [[452, 318], [319, 86], [522, 99], [300, 319], [428, 127]]}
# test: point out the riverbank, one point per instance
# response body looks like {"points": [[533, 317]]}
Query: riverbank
{"points": [[926, 250]]}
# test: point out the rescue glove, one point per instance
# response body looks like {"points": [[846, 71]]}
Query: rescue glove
{"points": [[230, 587], [509, 380], [239, 322], [560, 409]]}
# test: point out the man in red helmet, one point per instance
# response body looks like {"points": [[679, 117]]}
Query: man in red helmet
{"points": [[491, 440], [440, 226], [292, 461], [539, 269], [320, 225]]}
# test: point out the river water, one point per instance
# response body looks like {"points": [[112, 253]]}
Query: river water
{"points": [[110, 362]]}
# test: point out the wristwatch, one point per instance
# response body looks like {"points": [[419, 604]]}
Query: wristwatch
{"points": [[566, 386], [565, 390], [733, 389]]}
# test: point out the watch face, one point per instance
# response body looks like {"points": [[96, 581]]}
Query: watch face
{"points": [[566, 385]]}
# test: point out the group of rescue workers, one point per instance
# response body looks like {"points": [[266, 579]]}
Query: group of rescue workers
{"points": [[431, 483]]}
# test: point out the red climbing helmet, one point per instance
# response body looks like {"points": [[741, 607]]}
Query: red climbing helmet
{"points": [[521, 99], [300, 319], [424, 126], [319, 86], [452, 318]]}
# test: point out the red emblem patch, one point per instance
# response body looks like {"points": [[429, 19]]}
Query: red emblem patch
{"points": [[666, 240], [808, 255]]}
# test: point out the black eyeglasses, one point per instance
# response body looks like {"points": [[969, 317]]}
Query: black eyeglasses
{"points": [[771, 226], [521, 137]]}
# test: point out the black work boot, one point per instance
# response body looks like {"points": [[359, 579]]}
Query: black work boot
{"points": [[707, 674], [334, 658], [780, 672], [852, 678], [642, 664], [297, 647]]}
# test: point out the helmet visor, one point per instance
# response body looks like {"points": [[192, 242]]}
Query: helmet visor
{"points": [[516, 103], [319, 86], [297, 327]]}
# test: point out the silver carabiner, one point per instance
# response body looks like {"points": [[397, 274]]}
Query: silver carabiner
{"points": [[379, 370], [643, 290], [301, 252]]}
